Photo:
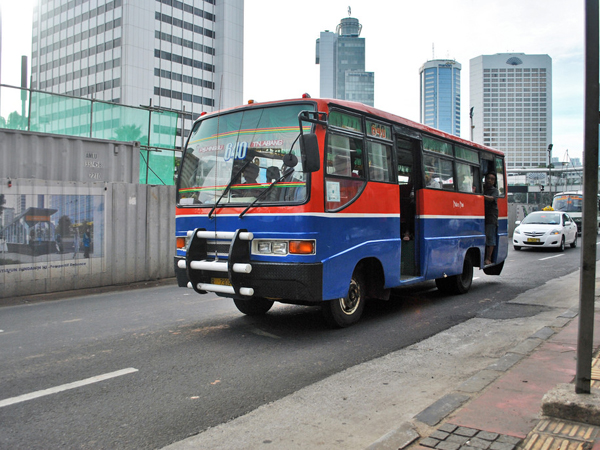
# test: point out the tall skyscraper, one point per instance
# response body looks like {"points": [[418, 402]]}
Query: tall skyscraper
{"points": [[341, 56], [440, 95], [511, 97], [177, 54]]}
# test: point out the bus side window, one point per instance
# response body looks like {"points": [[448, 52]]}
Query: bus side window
{"points": [[438, 173]]}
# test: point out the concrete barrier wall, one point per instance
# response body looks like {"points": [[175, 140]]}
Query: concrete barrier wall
{"points": [[131, 231], [517, 211]]}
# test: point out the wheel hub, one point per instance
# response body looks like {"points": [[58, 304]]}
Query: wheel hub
{"points": [[351, 301]]}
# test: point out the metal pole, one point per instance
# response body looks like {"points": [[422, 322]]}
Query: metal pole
{"points": [[587, 280], [148, 142], [23, 87], [550, 171]]}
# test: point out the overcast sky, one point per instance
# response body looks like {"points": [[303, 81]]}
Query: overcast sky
{"points": [[401, 35]]}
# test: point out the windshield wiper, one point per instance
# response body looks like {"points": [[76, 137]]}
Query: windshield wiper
{"points": [[264, 193], [228, 187], [290, 161]]}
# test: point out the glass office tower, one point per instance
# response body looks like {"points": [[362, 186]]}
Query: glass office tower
{"points": [[341, 56], [184, 54], [440, 95], [511, 97]]}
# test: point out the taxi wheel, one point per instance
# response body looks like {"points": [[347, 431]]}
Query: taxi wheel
{"points": [[256, 306], [562, 245], [345, 311], [574, 243]]}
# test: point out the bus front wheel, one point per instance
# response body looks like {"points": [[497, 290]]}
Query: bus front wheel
{"points": [[256, 306], [457, 284], [345, 311]]}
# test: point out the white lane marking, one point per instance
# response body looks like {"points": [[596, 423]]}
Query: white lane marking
{"points": [[72, 320], [550, 257], [65, 387]]}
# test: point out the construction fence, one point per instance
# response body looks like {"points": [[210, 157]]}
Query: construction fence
{"points": [[154, 128]]}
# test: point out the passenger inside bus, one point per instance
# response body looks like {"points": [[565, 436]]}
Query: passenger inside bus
{"points": [[430, 181]]}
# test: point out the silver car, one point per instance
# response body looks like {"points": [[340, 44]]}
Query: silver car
{"points": [[545, 229]]}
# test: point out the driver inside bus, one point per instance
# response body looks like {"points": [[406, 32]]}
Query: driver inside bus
{"points": [[250, 174]]}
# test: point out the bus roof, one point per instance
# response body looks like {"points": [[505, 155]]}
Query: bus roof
{"points": [[372, 111], [568, 193]]}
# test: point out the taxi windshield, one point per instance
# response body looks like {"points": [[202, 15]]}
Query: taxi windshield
{"points": [[233, 157]]}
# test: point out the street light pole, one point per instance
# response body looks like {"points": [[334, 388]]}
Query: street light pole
{"points": [[550, 170]]}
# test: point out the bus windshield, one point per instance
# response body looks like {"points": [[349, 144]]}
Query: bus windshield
{"points": [[234, 158], [568, 202]]}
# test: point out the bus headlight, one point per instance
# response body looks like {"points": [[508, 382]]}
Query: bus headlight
{"points": [[281, 248]]}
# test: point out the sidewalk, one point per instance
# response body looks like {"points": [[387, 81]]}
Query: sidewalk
{"points": [[477, 386], [508, 412]]}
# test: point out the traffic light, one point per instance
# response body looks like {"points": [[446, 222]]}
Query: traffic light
{"points": [[542, 188]]}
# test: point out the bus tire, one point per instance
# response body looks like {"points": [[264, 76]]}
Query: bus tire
{"points": [[345, 311], [256, 306], [457, 284]]}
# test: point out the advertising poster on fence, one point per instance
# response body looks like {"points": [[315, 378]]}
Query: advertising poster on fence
{"points": [[50, 230]]}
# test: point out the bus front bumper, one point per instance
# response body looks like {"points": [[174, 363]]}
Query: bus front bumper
{"points": [[285, 282]]}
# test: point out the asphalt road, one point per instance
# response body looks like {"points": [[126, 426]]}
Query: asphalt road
{"points": [[176, 363]]}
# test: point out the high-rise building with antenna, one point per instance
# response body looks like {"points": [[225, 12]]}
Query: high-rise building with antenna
{"points": [[341, 56]]}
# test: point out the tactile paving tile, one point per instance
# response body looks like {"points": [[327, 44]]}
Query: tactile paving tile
{"points": [[595, 383], [453, 437], [562, 435]]}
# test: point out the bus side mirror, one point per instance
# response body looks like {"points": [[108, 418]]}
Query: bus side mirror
{"points": [[311, 161]]}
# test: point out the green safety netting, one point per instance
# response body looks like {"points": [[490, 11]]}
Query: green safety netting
{"points": [[43, 112]]}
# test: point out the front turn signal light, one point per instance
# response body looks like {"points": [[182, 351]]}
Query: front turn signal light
{"points": [[181, 242], [302, 247]]}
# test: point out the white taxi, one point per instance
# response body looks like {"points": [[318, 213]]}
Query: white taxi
{"points": [[545, 229]]}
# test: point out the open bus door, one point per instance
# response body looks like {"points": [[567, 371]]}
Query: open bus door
{"points": [[407, 149], [495, 165]]}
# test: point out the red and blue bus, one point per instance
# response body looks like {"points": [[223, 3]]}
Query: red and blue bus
{"points": [[329, 202]]}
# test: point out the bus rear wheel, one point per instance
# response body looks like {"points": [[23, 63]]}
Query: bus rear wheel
{"points": [[457, 284], [345, 311], [256, 306]]}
